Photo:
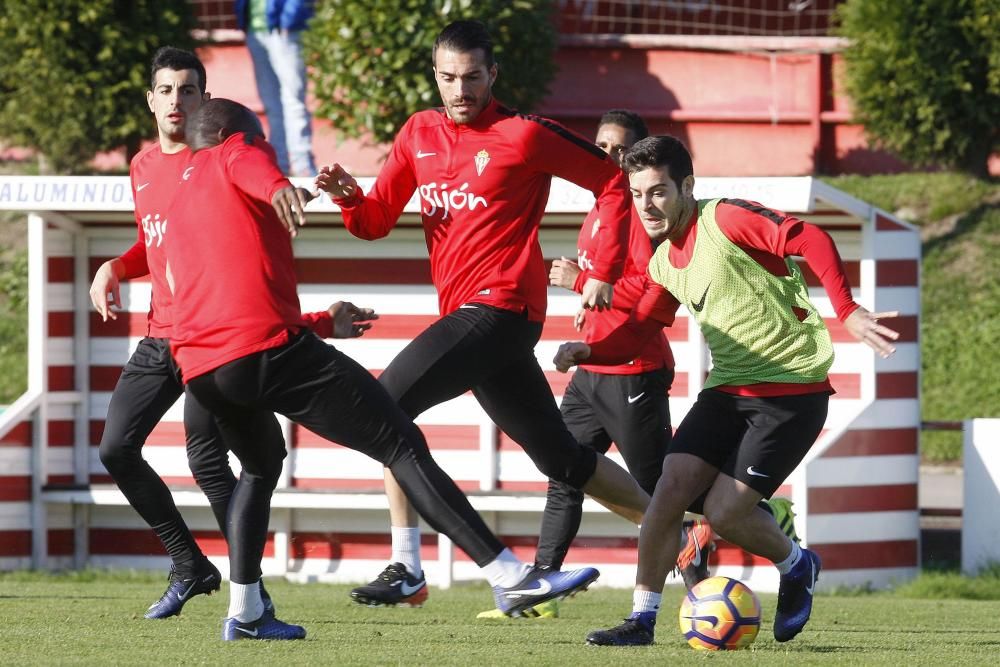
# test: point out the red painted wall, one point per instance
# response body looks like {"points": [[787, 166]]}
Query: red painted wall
{"points": [[742, 114]]}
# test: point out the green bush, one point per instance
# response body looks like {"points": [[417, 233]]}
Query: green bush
{"points": [[371, 62], [924, 77], [13, 325], [72, 73]]}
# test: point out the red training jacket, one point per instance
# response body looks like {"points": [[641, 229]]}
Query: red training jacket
{"points": [[155, 176], [234, 282], [655, 352], [482, 189]]}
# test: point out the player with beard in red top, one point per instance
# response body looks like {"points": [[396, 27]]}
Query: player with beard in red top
{"points": [[482, 172], [150, 381], [245, 353]]}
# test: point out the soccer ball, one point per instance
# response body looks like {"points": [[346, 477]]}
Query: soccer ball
{"points": [[720, 614]]}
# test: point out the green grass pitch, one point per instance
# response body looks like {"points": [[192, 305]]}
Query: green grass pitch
{"points": [[96, 619]]}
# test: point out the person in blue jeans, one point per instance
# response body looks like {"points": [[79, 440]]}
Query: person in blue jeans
{"points": [[274, 37]]}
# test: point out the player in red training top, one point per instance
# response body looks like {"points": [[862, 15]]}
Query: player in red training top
{"points": [[482, 172], [765, 400], [150, 381], [245, 353]]}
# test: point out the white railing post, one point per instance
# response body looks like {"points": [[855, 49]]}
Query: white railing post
{"points": [[38, 383], [81, 356], [981, 494], [489, 454]]}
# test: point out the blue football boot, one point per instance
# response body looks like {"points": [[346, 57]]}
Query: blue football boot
{"points": [[637, 630], [795, 597], [541, 585], [183, 586], [265, 597], [265, 627]]}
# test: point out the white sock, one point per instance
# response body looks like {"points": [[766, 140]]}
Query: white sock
{"points": [[785, 566], [245, 604], [646, 601], [505, 570], [406, 548]]}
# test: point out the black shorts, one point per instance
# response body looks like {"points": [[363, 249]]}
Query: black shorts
{"points": [[630, 410], [758, 441]]}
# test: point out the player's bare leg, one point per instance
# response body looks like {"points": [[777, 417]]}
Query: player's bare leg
{"points": [[617, 490], [402, 582], [732, 508], [684, 478]]}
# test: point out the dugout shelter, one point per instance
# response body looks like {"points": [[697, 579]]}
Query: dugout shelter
{"points": [[855, 495]]}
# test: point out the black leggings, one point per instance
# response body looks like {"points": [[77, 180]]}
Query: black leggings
{"points": [[600, 408], [148, 386], [324, 390], [491, 352]]}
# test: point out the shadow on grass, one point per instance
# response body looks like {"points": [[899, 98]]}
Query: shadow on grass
{"points": [[967, 224]]}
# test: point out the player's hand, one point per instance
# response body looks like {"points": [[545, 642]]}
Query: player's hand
{"points": [[105, 291], [290, 205], [564, 273], [579, 319], [349, 321], [336, 182], [597, 294], [865, 327], [571, 354]]}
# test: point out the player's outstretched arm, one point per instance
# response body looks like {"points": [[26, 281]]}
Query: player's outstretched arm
{"points": [[350, 321], [105, 291], [865, 327], [571, 354]]}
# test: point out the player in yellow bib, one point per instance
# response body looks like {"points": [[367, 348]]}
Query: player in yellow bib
{"points": [[729, 261]]}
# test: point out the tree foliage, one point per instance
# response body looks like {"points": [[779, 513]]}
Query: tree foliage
{"points": [[924, 77], [73, 73], [371, 62]]}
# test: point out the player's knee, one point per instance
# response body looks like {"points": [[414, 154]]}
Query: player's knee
{"points": [[563, 473], [265, 476], [724, 514], [674, 477], [216, 483], [563, 495], [117, 453]]}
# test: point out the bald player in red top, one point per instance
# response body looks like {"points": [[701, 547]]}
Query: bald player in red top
{"points": [[245, 353]]}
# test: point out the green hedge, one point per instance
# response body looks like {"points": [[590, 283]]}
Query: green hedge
{"points": [[924, 78], [371, 61]]}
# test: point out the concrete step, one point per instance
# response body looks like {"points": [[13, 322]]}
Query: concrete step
{"points": [[940, 501]]}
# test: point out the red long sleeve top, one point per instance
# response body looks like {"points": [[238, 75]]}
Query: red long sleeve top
{"points": [[766, 235], [234, 282], [155, 177], [482, 189], [655, 351]]}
